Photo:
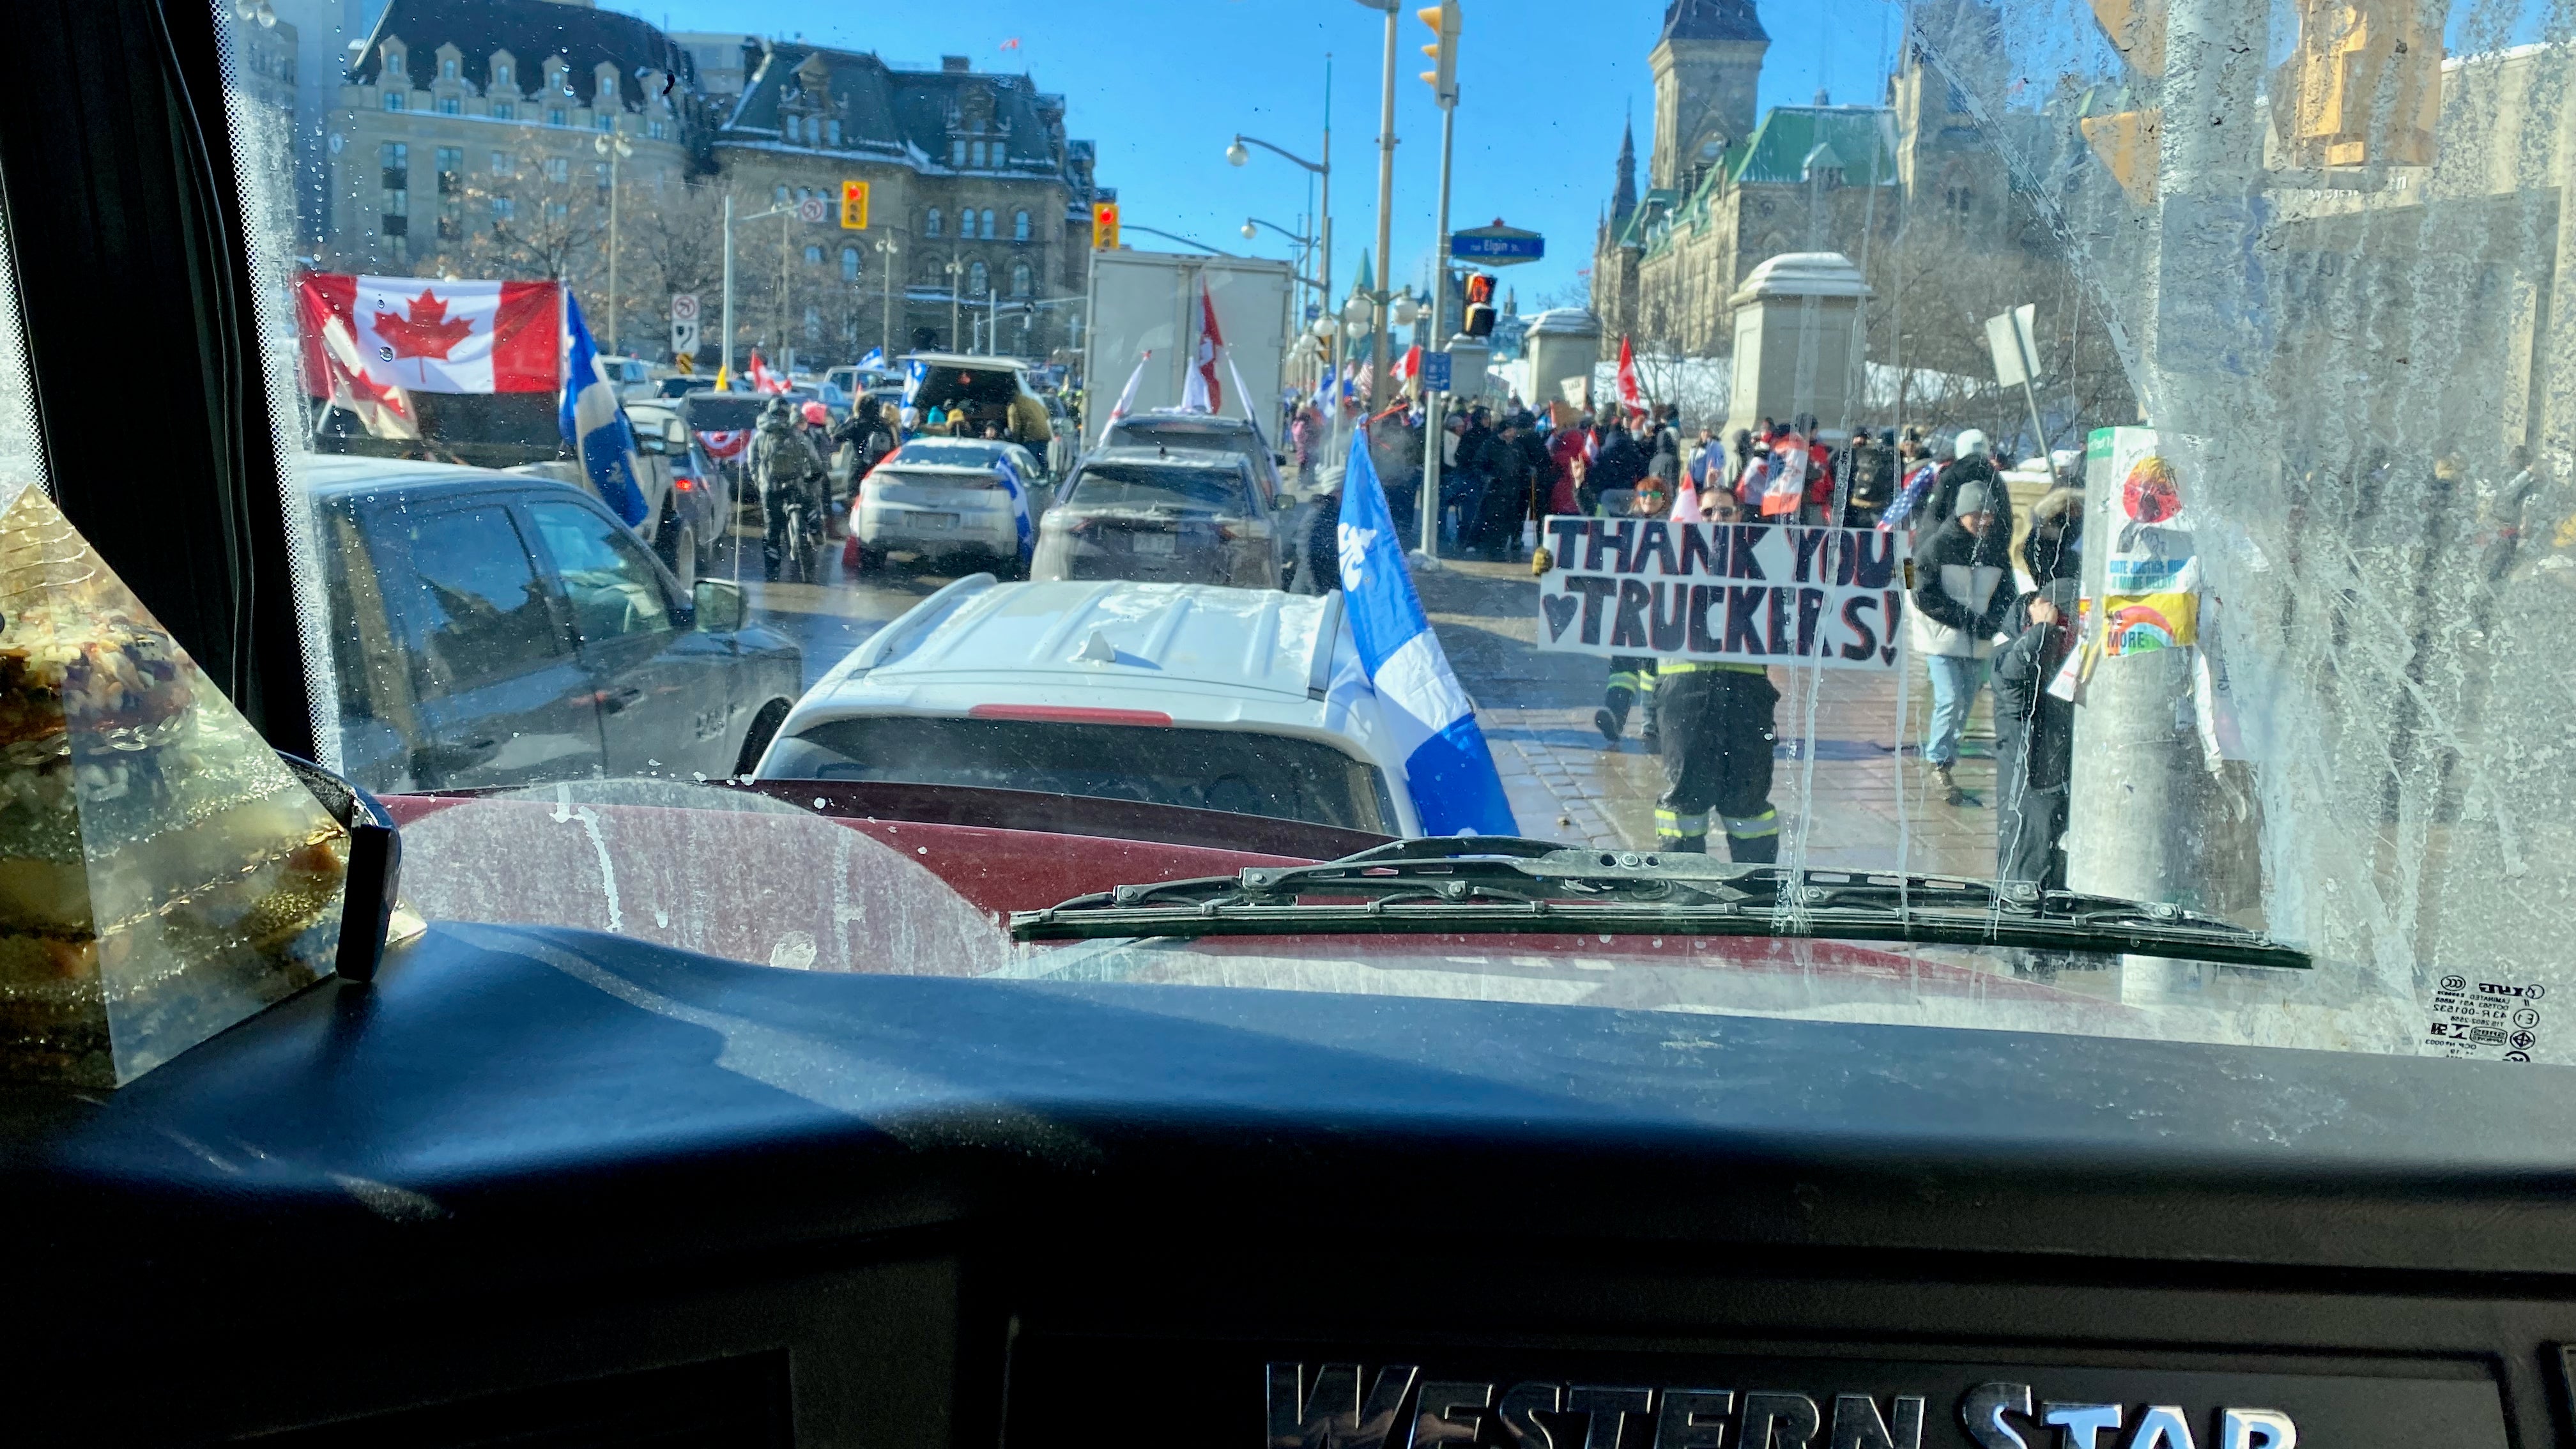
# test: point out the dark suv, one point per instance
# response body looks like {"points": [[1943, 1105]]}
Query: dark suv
{"points": [[497, 629], [1178, 430], [1164, 516]]}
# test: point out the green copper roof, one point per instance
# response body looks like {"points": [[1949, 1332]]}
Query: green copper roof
{"points": [[1780, 146]]}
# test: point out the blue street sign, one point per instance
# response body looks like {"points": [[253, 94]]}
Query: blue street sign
{"points": [[1497, 245], [1435, 372], [1313, 311]]}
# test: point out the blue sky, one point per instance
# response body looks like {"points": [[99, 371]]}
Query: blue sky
{"points": [[1162, 85]]}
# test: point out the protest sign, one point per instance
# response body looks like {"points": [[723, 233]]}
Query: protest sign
{"points": [[1756, 593]]}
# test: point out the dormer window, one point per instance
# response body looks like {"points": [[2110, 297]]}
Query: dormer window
{"points": [[500, 74], [957, 152], [447, 70]]}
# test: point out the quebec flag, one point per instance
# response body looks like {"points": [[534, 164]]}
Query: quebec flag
{"points": [[594, 426], [915, 373], [1019, 491], [1447, 765], [875, 358]]}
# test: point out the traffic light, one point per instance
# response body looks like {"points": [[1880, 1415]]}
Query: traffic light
{"points": [[2362, 88], [1443, 50], [1480, 306], [1104, 226], [854, 205], [2127, 142]]}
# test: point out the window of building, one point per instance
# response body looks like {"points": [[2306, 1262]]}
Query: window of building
{"points": [[779, 196], [1019, 226], [501, 164], [813, 256], [503, 208], [957, 151], [978, 280], [849, 264], [451, 170], [606, 121], [988, 232], [447, 70], [930, 224], [504, 111], [599, 173], [554, 115], [658, 130], [1023, 281], [975, 154], [558, 211], [558, 169], [395, 159], [393, 100], [831, 133], [501, 73], [450, 106], [966, 223], [813, 325]]}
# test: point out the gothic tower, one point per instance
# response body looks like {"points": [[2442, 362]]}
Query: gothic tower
{"points": [[1707, 64], [1623, 200]]}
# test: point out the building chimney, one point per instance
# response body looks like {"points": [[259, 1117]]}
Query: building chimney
{"points": [[953, 64]]}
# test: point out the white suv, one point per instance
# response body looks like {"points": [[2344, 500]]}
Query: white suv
{"points": [[1242, 700]]}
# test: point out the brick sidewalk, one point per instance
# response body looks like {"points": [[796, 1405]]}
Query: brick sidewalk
{"points": [[1857, 801]]}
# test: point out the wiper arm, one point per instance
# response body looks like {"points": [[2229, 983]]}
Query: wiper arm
{"points": [[1497, 884]]}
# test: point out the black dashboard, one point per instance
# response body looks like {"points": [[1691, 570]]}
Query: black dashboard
{"points": [[542, 1187]]}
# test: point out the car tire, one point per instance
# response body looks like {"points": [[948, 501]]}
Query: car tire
{"points": [[755, 741], [686, 554]]}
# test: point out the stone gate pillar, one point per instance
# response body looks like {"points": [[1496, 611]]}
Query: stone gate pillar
{"points": [[1798, 343]]}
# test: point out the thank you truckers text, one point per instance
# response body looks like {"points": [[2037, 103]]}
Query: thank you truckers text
{"points": [[1749, 592]]}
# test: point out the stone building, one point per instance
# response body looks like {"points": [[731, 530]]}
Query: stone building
{"points": [[1727, 191], [971, 178], [469, 139], [267, 71]]}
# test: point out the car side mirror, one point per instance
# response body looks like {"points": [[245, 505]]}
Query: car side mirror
{"points": [[720, 608]]}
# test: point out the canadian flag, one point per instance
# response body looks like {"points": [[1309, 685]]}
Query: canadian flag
{"points": [[1629, 397], [385, 412], [1127, 396], [724, 444], [1199, 391], [762, 379], [1408, 366], [435, 335]]}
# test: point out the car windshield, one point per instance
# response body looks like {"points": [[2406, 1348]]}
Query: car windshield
{"points": [[2113, 455], [1155, 485], [1242, 772]]}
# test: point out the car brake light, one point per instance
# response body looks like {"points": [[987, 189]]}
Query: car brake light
{"points": [[683, 482], [1072, 714]]}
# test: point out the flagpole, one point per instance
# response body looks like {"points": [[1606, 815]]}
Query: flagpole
{"points": [[724, 359], [1378, 378]]}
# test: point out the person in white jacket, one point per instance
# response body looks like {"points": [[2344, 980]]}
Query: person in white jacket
{"points": [[1961, 594]]}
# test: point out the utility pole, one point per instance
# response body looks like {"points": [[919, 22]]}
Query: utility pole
{"points": [[1443, 19], [1378, 379], [956, 270], [724, 360], [786, 242]]}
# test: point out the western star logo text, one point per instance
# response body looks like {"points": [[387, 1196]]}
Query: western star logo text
{"points": [[1323, 1407]]}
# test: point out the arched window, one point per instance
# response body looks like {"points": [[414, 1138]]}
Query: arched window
{"points": [[1022, 280], [989, 233], [501, 74], [849, 264], [831, 133], [780, 195], [813, 256], [978, 280], [447, 70], [1019, 226], [930, 224]]}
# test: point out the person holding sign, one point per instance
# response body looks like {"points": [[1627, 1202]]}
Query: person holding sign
{"points": [[1632, 676], [1718, 733]]}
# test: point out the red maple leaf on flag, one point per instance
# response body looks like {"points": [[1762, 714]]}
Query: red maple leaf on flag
{"points": [[427, 332]]}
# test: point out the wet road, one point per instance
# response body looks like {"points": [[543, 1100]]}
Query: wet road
{"points": [[833, 617]]}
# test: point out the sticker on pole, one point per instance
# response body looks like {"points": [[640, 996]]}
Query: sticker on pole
{"points": [[1748, 593]]}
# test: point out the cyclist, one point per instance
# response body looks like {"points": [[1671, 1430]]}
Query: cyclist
{"points": [[788, 471]]}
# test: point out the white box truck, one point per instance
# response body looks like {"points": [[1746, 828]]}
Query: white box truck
{"points": [[1149, 301]]}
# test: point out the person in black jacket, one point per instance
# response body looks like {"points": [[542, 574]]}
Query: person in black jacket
{"points": [[2034, 738], [1873, 478], [1962, 590], [1972, 465], [1621, 462]]}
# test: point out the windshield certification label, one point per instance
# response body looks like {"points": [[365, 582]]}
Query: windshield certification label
{"points": [[2496, 1021]]}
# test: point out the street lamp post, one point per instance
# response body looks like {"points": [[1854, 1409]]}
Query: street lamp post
{"points": [[615, 149], [1236, 154], [956, 269], [888, 251], [725, 363]]}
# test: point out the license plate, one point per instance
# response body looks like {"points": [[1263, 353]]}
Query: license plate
{"points": [[1153, 543], [934, 522]]}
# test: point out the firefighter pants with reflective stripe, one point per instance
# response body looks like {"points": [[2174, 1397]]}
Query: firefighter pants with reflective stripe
{"points": [[1632, 678], [1717, 740]]}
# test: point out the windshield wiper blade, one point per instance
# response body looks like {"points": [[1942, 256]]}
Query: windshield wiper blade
{"points": [[1486, 884]]}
